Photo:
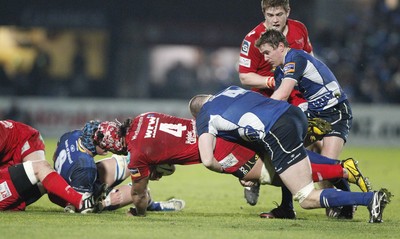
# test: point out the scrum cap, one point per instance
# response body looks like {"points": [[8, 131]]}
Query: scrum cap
{"points": [[107, 137], [87, 135]]}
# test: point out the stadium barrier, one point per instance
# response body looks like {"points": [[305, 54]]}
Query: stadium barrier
{"points": [[373, 125]]}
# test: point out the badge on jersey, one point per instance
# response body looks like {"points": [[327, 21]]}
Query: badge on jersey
{"points": [[134, 172], [245, 47], [289, 68], [229, 161], [244, 62], [5, 191], [25, 147]]}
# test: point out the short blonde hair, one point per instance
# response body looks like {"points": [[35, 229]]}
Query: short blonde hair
{"points": [[265, 4], [196, 103]]}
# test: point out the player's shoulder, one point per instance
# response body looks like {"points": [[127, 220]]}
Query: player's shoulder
{"points": [[297, 53], [167, 118], [145, 118], [152, 114], [17, 125], [71, 135], [8, 125], [295, 24], [255, 33]]}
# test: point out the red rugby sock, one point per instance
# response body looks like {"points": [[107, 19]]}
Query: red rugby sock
{"points": [[322, 172], [56, 185]]}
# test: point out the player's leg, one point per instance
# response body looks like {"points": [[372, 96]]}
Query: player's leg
{"points": [[284, 144], [322, 174], [15, 188], [292, 164], [296, 177], [316, 129], [319, 172], [55, 184], [121, 197], [332, 147], [251, 191], [112, 171], [285, 210], [340, 117], [82, 177]]}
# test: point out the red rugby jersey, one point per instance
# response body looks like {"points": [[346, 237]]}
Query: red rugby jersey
{"points": [[251, 60], [16, 141], [156, 138]]}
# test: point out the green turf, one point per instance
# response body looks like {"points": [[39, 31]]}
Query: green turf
{"points": [[215, 208]]}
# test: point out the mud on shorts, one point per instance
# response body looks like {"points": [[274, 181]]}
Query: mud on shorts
{"points": [[340, 116], [284, 142]]}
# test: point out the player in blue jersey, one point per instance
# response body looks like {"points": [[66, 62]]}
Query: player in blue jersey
{"points": [[277, 129], [319, 86], [295, 69], [74, 161]]}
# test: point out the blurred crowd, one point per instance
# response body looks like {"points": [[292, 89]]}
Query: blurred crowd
{"points": [[364, 53]]}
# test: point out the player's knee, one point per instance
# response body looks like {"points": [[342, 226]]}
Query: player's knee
{"points": [[41, 166], [302, 196]]}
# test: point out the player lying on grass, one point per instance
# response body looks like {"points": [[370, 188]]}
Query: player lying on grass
{"points": [[25, 175], [153, 138], [74, 161]]}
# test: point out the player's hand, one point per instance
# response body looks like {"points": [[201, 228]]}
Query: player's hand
{"points": [[154, 175], [245, 183], [133, 213], [270, 82]]}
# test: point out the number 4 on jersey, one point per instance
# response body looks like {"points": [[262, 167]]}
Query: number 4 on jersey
{"points": [[173, 129]]}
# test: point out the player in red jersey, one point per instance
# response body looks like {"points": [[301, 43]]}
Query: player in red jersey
{"points": [[23, 165], [254, 70], [152, 139]]}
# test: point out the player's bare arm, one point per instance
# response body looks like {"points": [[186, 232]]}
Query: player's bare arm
{"points": [[206, 148], [255, 80], [140, 195], [284, 90]]}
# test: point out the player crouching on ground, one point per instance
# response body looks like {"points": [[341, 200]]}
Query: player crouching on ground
{"points": [[74, 161]]}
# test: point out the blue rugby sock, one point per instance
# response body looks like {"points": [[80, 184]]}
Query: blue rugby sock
{"points": [[342, 184], [334, 198], [319, 159], [154, 206]]}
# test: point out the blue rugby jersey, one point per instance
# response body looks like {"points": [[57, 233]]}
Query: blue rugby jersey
{"points": [[315, 80], [74, 164], [239, 115]]}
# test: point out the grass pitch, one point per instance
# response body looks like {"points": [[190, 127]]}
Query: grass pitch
{"points": [[215, 208]]}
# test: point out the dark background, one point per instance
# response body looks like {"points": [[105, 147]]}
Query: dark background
{"points": [[359, 40]]}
